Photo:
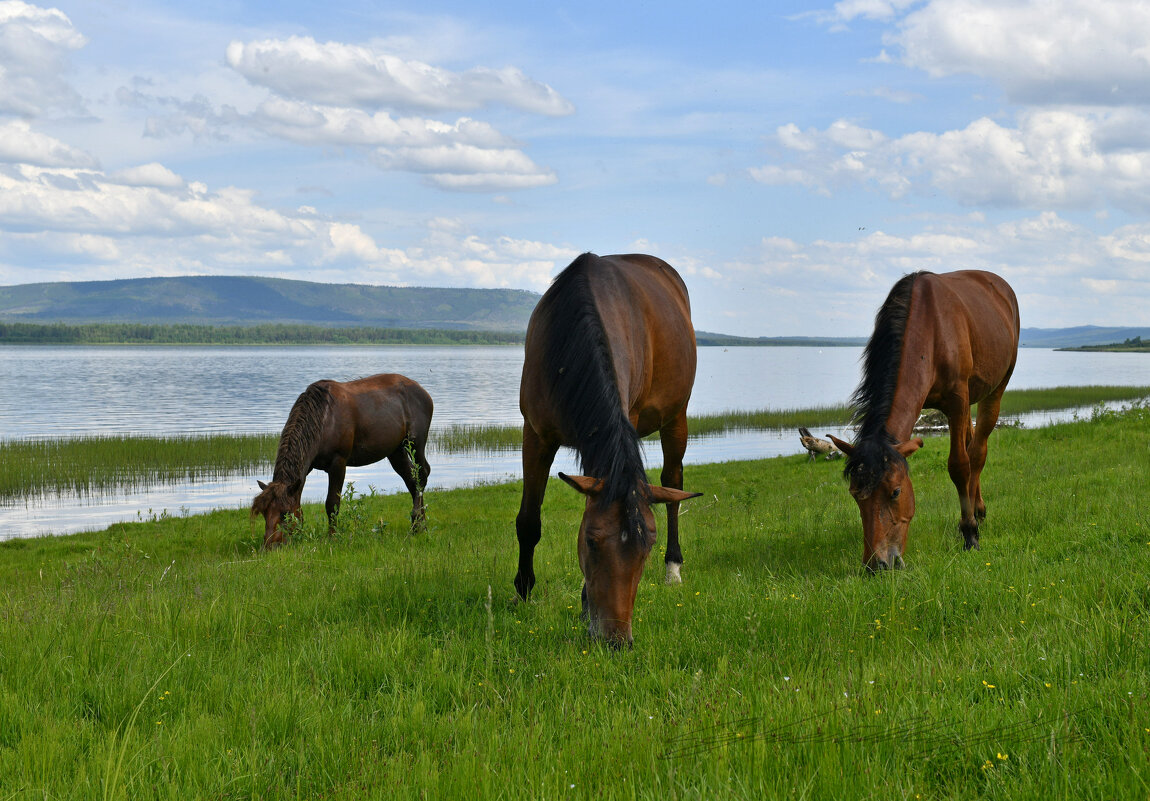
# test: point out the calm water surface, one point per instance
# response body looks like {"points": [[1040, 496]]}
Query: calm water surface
{"points": [[64, 391]]}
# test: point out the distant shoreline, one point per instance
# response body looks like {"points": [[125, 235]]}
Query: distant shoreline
{"points": [[1134, 345], [288, 334], [265, 334]]}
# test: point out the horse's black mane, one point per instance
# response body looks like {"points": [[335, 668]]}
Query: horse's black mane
{"points": [[874, 444], [581, 374], [297, 442]]}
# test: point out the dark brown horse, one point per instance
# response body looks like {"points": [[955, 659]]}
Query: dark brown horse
{"points": [[610, 357], [335, 425], [940, 341]]}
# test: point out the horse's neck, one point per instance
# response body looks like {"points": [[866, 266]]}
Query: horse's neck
{"points": [[915, 378], [294, 458]]}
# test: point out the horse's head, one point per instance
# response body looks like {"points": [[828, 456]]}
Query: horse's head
{"points": [[614, 542], [276, 501], [880, 484]]}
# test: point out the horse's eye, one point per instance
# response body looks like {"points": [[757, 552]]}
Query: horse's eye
{"points": [[896, 493]]}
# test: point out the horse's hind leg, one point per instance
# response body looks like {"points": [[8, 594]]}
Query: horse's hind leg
{"points": [[673, 439], [414, 475], [537, 458], [988, 410], [958, 465], [335, 476]]}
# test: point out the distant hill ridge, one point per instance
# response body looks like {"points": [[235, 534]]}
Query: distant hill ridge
{"points": [[240, 300], [246, 301]]}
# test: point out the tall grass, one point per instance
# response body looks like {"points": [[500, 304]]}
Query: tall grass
{"points": [[96, 463], [99, 463], [174, 659], [1021, 401]]}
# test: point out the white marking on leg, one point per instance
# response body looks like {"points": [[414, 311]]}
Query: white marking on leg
{"points": [[673, 576]]}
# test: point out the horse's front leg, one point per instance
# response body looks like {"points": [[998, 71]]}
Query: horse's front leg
{"points": [[335, 476], [537, 458], [673, 439], [958, 465]]}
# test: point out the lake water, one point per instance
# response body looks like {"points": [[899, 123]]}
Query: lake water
{"points": [[64, 391]]}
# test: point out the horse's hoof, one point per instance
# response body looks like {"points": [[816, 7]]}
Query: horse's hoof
{"points": [[673, 573], [969, 536]]}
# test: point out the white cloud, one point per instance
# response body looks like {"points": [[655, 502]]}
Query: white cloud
{"points": [[34, 47], [307, 123], [148, 220], [1052, 159], [19, 144], [1040, 51], [466, 154], [350, 75], [154, 175], [1064, 273]]}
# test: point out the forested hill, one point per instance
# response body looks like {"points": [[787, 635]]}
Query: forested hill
{"points": [[235, 300]]}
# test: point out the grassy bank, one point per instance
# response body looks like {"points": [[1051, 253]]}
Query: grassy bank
{"points": [[98, 463], [172, 659]]}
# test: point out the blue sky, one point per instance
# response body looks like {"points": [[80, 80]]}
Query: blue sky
{"points": [[792, 160]]}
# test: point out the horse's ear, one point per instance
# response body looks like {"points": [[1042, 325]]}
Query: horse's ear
{"points": [[584, 484], [909, 447], [263, 486], [669, 495], [846, 447]]}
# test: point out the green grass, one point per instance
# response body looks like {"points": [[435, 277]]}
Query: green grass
{"points": [[34, 467], [173, 659]]}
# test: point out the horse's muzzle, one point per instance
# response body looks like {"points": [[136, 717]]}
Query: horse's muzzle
{"points": [[878, 564]]}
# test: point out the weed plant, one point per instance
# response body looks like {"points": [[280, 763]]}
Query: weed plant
{"points": [[175, 659]]}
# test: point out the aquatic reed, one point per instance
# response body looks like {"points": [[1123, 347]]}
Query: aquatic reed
{"points": [[95, 463]]}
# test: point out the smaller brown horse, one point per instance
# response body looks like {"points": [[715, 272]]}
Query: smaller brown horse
{"points": [[334, 425], [940, 341]]}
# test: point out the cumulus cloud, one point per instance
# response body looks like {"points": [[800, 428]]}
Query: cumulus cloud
{"points": [[1065, 273], [346, 98], [153, 174], [19, 144], [34, 47], [1041, 52], [1051, 159], [465, 155], [153, 222], [356, 76]]}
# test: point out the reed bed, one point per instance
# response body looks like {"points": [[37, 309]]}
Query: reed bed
{"points": [[468, 437], [35, 467], [1048, 399], [96, 463]]}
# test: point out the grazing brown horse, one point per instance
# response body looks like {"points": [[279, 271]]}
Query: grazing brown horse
{"points": [[944, 342], [335, 425], [610, 357]]}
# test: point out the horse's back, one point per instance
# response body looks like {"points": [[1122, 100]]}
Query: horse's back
{"points": [[645, 314], [375, 414], [976, 316]]}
